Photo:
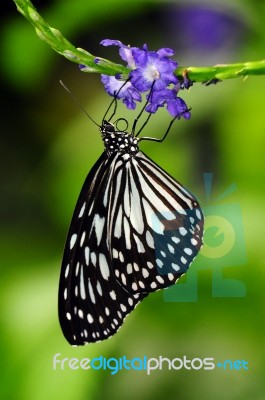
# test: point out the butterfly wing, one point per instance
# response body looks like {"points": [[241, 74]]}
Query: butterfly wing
{"points": [[92, 303], [157, 225]]}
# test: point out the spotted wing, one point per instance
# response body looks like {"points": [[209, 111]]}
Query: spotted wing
{"points": [[156, 225], [92, 303]]}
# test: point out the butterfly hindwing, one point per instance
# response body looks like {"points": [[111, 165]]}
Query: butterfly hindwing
{"points": [[157, 226]]}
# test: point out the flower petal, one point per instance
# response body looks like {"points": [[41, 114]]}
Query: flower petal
{"points": [[122, 90], [111, 42]]}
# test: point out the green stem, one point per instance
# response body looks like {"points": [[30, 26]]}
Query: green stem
{"points": [[223, 71], [62, 46], [80, 56]]}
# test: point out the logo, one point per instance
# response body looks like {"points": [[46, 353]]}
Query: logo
{"points": [[224, 246], [148, 365]]}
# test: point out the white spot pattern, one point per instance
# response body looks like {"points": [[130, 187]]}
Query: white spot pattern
{"points": [[103, 265], [82, 285], [150, 240], [82, 240], [73, 240], [82, 210]]}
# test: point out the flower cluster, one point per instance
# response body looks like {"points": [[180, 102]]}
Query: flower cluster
{"points": [[151, 72]]}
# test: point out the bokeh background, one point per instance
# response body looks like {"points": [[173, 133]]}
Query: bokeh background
{"points": [[47, 147]]}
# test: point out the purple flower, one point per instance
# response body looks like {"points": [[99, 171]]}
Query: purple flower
{"points": [[158, 99], [152, 68], [125, 51], [175, 105], [178, 108], [151, 71], [165, 52], [121, 90]]}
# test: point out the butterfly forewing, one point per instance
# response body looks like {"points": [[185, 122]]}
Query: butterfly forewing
{"points": [[156, 225], [92, 303]]}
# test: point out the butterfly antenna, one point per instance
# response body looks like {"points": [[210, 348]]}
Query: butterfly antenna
{"points": [[78, 103], [115, 94]]}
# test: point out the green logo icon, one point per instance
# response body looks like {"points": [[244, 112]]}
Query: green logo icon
{"points": [[224, 246]]}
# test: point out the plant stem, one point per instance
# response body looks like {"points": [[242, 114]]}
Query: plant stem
{"points": [[80, 56], [223, 71]]}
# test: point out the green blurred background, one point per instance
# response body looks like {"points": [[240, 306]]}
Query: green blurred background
{"points": [[48, 146]]}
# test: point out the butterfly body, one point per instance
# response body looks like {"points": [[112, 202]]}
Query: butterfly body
{"points": [[135, 230], [118, 141]]}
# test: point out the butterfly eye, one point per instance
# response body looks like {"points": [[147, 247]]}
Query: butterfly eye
{"points": [[107, 127]]}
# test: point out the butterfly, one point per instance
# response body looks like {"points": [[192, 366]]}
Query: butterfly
{"points": [[134, 230]]}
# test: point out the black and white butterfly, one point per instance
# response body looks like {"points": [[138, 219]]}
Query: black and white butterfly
{"points": [[135, 230]]}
